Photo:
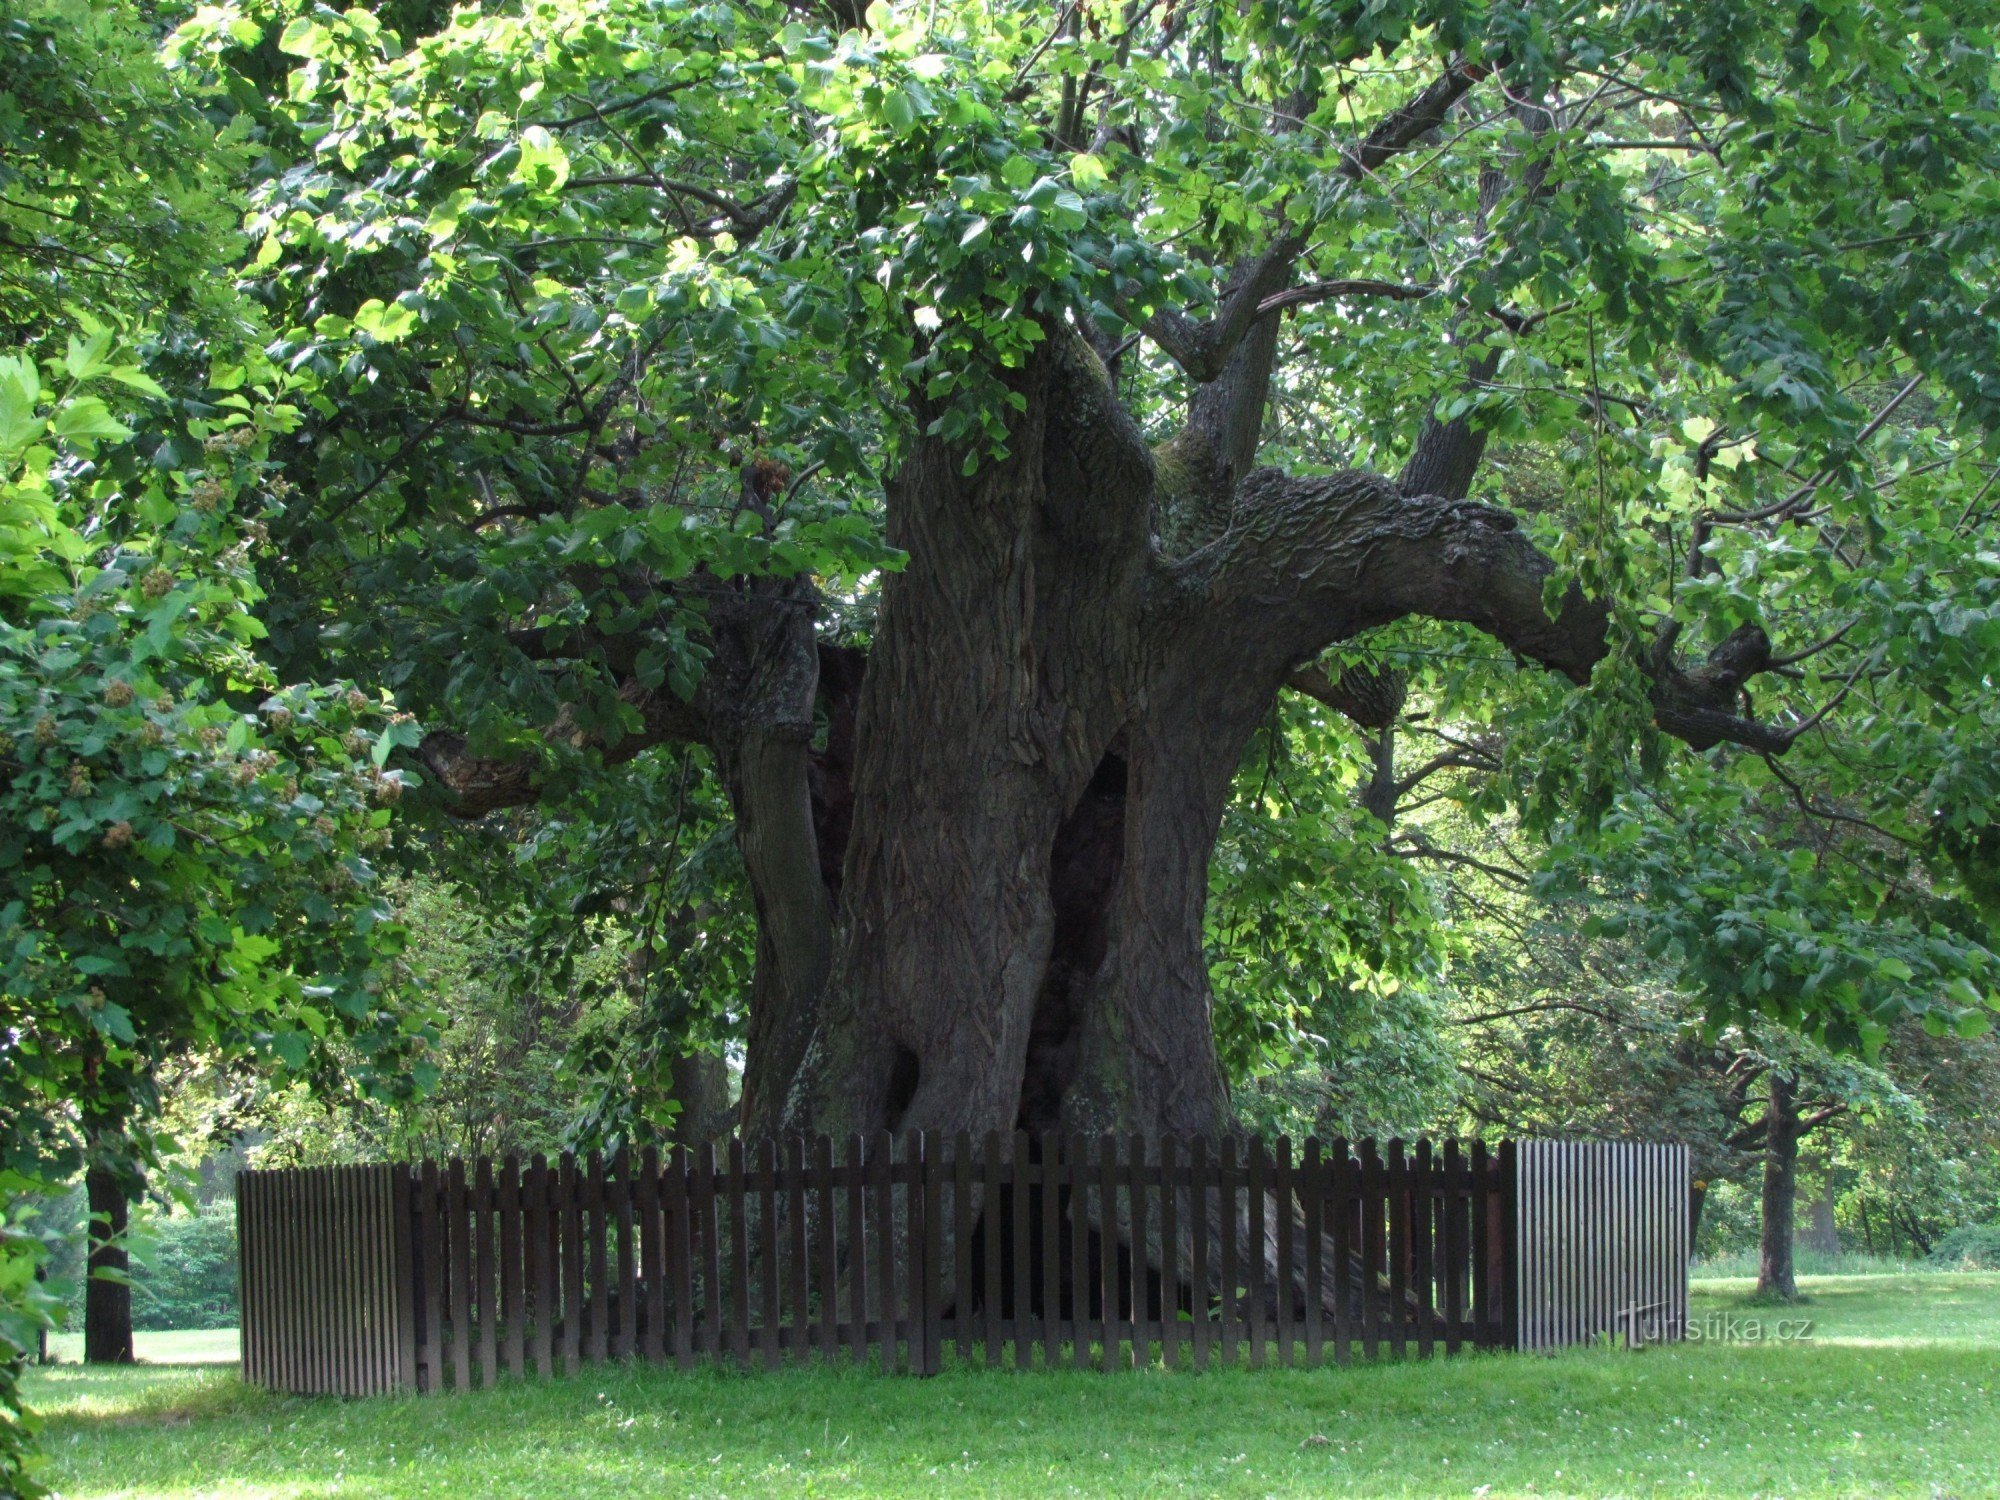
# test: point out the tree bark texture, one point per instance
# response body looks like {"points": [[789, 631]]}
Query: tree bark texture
{"points": [[1775, 1274], [107, 1304]]}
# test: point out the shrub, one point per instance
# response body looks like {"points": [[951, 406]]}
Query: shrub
{"points": [[1970, 1247], [185, 1270]]}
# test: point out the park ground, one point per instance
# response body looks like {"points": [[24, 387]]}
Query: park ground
{"points": [[1893, 1390]]}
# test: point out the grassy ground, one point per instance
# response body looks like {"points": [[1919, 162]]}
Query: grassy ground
{"points": [[199, 1346], [1895, 1392]]}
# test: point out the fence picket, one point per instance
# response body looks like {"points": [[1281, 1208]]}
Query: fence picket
{"points": [[1198, 1299], [1423, 1244], [1076, 1155], [796, 1241], [1019, 1173], [989, 1244], [625, 1327], [1170, 1253], [1138, 1243], [1283, 1223], [1051, 1201], [1312, 1207], [680, 1255], [652, 1256], [1225, 1183], [364, 1278], [857, 1251]]}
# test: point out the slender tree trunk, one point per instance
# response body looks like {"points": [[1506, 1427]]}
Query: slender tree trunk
{"points": [[107, 1305], [1775, 1276], [1822, 1232]]}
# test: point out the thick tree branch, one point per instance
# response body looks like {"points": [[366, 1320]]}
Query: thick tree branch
{"points": [[480, 784], [1309, 562]]}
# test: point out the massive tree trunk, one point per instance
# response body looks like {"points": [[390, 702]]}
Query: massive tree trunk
{"points": [[107, 1299], [979, 855], [1775, 1275]]}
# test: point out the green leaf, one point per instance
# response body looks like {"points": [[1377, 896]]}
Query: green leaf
{"points": [[385, 323], [543, 164], [1087, 171], [86, 419]]}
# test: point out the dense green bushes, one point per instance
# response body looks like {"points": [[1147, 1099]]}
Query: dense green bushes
{"points": [[1971, 1247], [183, 1265]]}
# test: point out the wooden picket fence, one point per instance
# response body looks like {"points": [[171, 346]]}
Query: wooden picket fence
{"points": [[900, 1251]]}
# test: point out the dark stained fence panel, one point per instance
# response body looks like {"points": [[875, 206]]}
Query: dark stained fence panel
{"points": [[1133, 1252]]}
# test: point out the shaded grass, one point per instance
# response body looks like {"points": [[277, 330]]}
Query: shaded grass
{"points": [[1895, 1396]]}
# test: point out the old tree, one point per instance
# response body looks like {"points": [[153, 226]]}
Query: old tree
{"points": [[967, 424]]}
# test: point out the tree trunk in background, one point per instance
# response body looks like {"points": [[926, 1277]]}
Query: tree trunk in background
{"points": [[107, 1306], [1775, 1276], [701, 1086], [1823, 1233]]}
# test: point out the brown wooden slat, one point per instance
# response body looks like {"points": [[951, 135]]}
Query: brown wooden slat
{"points": [[652, 1256], [1509, 1238], [457, 1261], [1482, 1289], [1371, 1181], [569, 1222], [961, 1243], [343, 1238], [254, 1245], [1256, 1215], [736, 1190], [707, 1197], [1050, 1199], [305, 1230], [798, 1263], [1312, 1206], [485, 1272], [930, 1235], [538, 1267], [1400, 1247], [770, 1304], [1170, 1253], [1198, 1230], [1017, 1182], [1137, 1175], [597, 1321], [857, 1223], [625, 1326], [1077, 1157], [514, 1345], [989, 1214], [1283, 1225], [1456, 1196], [247, 1285], [680, 1254], [881, 1154], [313, 1231], [1227, 1181], [1108, 1325], [1423, 1241], [427, 1273]]}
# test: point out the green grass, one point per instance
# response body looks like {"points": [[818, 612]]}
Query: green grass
{"points": [[1816, 1263], [197, 1346], [1896, 1393]]}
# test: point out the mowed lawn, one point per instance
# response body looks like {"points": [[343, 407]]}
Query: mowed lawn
{"points": [[1896, 1392]]}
